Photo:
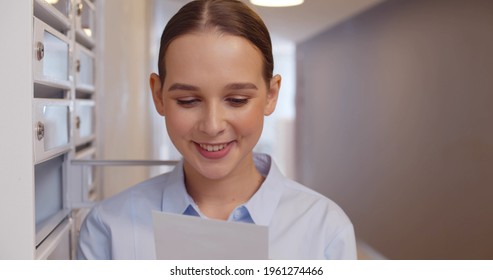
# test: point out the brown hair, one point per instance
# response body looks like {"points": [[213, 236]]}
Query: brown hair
{"points": [[229, 16]]}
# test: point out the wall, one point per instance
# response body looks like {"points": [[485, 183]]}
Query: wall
{"points": [[125, 111], [280, 124], [16, 149], [394, 121], [163, 148]]}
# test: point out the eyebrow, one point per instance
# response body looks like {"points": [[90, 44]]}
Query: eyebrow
{"points": [[238, 86], [232, 86], [185, 87]]}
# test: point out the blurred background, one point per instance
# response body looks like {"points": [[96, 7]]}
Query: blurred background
{"points": [[385, 107]]}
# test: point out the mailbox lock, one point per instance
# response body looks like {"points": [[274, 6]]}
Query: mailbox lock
{"points": [[40, 130], [40, 50], [77, 122], [79, 9]]}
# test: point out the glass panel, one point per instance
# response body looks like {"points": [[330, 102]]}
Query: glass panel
{"points": [[61, 5], [86, 113], [55, 119], [86, 69], [87, 20], [55, 61], [48, 184]]}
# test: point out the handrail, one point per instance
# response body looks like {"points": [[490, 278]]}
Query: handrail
{"points": [[99, 162]]}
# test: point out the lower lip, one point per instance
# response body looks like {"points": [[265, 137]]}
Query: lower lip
{"points": [[215, 155]]}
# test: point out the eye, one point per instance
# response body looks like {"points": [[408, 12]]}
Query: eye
{"points": [[237, 102], [187, 103]]}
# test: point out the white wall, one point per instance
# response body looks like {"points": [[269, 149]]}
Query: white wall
{"points": [[125, 112], [278, 135], [395, 114], [16, 149], [162, 11]]}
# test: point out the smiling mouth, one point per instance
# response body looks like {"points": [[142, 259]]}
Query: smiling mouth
{"points": [[213, 148]]}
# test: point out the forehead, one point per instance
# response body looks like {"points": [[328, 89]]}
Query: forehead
{"points": [[212, 54]]}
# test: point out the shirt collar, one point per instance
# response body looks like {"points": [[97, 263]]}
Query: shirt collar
{"points": [[175, 196], [261, 205]]}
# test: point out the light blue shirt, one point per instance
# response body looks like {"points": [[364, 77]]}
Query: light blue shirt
{"points": [[302, 224]]}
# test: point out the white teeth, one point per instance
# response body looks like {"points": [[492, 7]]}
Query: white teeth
{"points": [[213, 148]]}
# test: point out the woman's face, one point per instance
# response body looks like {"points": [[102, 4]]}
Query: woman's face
{"points": [[214, 99]]}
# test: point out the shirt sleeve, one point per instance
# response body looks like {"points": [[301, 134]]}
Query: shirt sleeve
{"points": [[94, 238], [343, 246]]}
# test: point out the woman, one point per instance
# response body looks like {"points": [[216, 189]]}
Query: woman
{"points": [[214, 88]]}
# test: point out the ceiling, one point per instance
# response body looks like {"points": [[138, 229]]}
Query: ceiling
{"points": [[302, 22], [295, 24]]}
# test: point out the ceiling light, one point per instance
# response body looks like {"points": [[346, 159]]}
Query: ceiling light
{"points": [[88, 31], [277, 3]]}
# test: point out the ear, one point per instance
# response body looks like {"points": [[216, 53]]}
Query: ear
{"points": [[272, 95], [157, 95]]}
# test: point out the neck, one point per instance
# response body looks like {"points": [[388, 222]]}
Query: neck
{"points": [[217, 198]]}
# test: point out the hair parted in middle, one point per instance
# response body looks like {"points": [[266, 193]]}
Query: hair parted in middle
{"points": [[227, 16]]}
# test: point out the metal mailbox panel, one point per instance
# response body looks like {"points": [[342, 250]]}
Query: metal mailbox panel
{"points": [[63, 6], [52, 128], [55, 13], [82, 181], [58, 244], [84, 69], [85, 120], [48, 186], [85, 22], [51, 56]]}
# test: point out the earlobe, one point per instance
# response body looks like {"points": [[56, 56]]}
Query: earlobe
{"points": [[272, 94], [157, 95]]}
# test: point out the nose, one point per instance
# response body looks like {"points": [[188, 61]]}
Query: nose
{"points": [[213, 122]]}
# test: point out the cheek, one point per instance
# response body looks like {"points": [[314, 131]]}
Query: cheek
{"points": [[250, 122], [178, 123]]}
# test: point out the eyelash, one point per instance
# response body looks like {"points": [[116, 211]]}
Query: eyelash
{"points": [[235, 102], [187, 102]]}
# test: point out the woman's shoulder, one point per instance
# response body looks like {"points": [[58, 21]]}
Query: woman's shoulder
{"points": [[291, 189], [303, 195], [298, 199], [301, 200], [146, 194]]}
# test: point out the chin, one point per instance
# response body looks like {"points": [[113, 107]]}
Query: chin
{"points": [[214, 173], [215, 169]]}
